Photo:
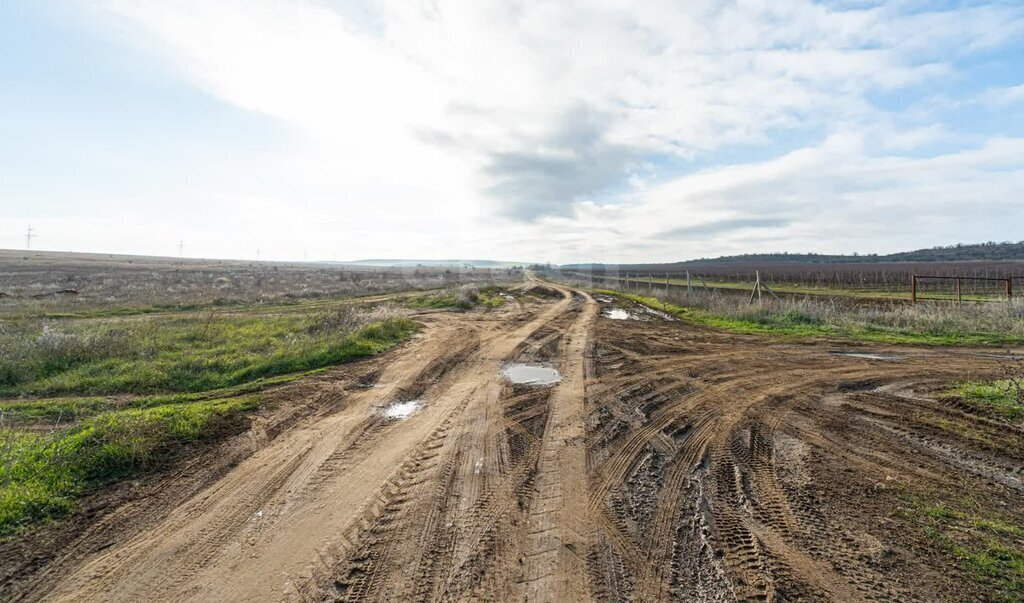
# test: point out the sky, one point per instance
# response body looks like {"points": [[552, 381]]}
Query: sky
{"points": [[599, 130]]}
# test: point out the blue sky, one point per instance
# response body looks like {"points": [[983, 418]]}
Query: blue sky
{"points": [[565, 131]]}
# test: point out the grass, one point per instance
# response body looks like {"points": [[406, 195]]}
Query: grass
{"points": [[126, 396], [465, 297], [876, 292], [800, 319], [61, 411], [192, 354], [992, 396], [989, 548], [42, 475]]}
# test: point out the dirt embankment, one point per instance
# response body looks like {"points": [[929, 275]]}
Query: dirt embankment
{"points": [[669, 463]]}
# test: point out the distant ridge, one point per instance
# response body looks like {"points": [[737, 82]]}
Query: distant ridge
{"points": [[952, 253], [387, 263]]}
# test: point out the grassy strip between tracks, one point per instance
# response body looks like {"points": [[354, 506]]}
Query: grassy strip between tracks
{"points": [[185, 354], [795, 324], [465, 297], [167, 386], [42, 475], [989, 548], [992, 396]]}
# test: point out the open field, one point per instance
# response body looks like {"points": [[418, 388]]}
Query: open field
{"points": [[672, 461], [98, 285]]}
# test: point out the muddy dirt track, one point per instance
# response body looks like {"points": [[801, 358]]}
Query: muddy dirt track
{"points": [[671, 462]]}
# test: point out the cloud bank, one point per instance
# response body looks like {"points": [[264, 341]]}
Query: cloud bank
{"points": [[617, 130]]}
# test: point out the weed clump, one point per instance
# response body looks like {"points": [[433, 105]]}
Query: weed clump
{"points": [[464, 297]]}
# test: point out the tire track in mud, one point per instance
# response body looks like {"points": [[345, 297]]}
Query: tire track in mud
{"points": [[329, 466], [557, 539], [672, 462], [736, 531]]}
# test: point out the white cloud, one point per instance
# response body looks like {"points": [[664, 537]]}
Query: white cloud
{"points": [[1002, 97], [456, 115]]}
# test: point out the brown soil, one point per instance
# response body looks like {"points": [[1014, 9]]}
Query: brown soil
{"points": [[672, 462]]}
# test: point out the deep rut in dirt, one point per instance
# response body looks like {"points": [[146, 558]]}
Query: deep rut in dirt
{"points": [[670, 462]]}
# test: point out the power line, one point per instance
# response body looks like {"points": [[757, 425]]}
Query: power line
{"points": [[181, 249], [29, 236]]}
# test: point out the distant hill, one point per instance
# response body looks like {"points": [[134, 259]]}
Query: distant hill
{"points": [[953, 253], [386, 263]]}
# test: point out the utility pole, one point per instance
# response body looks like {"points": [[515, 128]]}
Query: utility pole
{"points": [[28, 237], [181, 249]]}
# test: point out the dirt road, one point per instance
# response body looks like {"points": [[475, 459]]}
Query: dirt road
{"points": [[670, 462]]}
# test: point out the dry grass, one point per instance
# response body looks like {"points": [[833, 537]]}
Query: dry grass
{"points": [[32, 285], [933, 322]]}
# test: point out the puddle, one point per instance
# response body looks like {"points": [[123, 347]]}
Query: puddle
{"points": [[401, 410], [604, 299], [870, 356], [617, 314], [659, 314], [530, 374]]}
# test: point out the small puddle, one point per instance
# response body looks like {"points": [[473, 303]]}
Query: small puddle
{"points": [[401, 410], [617, 314], [870, 356], [604, 299], [530, 374]]}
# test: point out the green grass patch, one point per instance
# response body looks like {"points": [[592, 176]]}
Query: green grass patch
{"points": [[186, 354], [437, 301], [490, 297], [992, 396], [794, 324], [42, 475], [990, 549], [122, 397], [461, 298], [59, 412]]}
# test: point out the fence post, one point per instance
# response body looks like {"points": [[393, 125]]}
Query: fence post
{"points": [[913, 288], [687, 282], [1009, 288], [959, 299]]}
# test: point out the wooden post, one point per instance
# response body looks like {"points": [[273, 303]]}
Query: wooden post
{"points": [[959, 298], [757, 287], [666, 283], [687, 282], [650, 284], [1009, 288], [913, 288]]}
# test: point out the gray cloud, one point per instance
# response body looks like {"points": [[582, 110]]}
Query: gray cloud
{"points": [[548, 174], [720, 226]]}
